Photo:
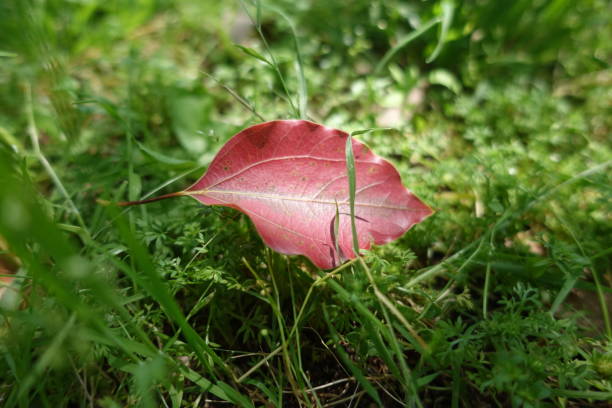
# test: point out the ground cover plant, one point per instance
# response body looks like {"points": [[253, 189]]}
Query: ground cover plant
{"points": [[496, 116]]}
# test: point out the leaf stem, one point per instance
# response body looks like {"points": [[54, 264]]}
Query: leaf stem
{"points": [[151, 200]]}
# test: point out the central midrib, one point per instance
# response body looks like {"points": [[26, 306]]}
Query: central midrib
{"points": [[298, 199], [281, 158]]}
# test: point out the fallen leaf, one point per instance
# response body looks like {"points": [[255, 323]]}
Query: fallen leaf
{"points": [[290, 178]]}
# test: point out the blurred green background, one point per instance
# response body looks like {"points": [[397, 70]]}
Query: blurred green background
{"points": [[500, 120]]}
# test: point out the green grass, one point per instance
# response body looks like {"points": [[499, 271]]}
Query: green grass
{"points": [[499, 121]]}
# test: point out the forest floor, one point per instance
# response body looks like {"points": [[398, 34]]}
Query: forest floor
{"points": [[499, 121]]}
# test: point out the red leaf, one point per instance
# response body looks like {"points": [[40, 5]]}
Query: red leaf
{"points": [[289, 176]]}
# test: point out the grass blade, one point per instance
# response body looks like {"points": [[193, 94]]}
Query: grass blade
{"points": [[302, 85], [250, 51], [357, 373], [404, 42], [448, 8], [350, 169], [274, 63]]}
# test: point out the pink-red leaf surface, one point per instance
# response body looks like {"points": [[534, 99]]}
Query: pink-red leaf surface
{"points": [[290, 178]]}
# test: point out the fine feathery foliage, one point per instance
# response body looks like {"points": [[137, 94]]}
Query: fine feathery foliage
{"points": [[498, 119]]}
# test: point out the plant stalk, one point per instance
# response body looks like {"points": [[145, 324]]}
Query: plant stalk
{"points": [[151, 200]]}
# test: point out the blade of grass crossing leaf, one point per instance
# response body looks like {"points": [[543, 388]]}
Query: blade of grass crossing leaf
{"points": [[357, 373], [448, 8], [350, 169], [352, 181]]}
